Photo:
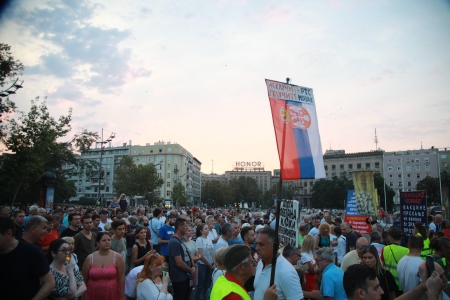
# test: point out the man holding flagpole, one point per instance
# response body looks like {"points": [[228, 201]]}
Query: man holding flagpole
{"points": [[286, 278]]}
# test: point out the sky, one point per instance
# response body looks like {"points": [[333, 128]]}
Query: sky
{"points": [[193, 72]]}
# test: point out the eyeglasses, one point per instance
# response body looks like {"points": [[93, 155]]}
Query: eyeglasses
{"points": [[64, 250]]}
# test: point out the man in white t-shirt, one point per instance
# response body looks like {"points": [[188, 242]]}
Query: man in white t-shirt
{"points": [[286, 278], [130, 282], [315, 230], [408, 265], [103, 219]]}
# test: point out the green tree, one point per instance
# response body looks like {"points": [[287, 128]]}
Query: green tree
{"points": [[215, 190], [331, 193], [136, 180], [9, 67], [179, 194], [35, 139], [431, 186], [268, 195], [390, 193]]}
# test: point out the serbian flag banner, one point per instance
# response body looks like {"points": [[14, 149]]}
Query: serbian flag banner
{"points": [[296, 131]]}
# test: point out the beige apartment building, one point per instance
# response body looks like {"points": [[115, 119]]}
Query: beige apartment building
{"points": [[173, 164]]}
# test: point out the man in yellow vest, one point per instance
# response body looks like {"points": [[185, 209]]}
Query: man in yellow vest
{"points": [[240, 267], [392, 253]]}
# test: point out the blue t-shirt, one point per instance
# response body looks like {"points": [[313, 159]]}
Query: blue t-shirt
{"points": [[165, 233], [237, 241], [333, 277], [154, 227]]}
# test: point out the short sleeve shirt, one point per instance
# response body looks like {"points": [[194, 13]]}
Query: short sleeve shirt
{"points": [[24, 265], [165, 233], [177, 248]]}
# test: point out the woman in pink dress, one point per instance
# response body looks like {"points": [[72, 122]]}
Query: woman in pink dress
{"points": [[104, 272]]}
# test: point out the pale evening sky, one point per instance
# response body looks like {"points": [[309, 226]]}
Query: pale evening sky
{"points": [[193, 72]]}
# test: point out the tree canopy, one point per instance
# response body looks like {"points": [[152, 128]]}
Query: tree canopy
{"points": [[136, 180], [36, 141], [431, 186], [179, 194]]}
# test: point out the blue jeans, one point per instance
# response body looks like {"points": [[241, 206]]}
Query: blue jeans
{"points": [[204, 281]]}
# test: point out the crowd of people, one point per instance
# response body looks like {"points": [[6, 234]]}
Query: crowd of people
{"points": [[120, 252]]}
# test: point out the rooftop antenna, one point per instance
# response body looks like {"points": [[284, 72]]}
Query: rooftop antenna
{"points": [[421, 145], [212, 172], [376, 140]]}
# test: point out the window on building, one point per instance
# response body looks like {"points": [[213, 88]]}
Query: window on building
{"points": [[160, 150], [169, 149], [159, 175], [326, 175], [333, 167], [390, 169], [417, 160], [409, 183], [333, 174], [143, 151], [408, 175], [427, 159], [151, 150], [408, 168], [311, 183], [390, 175], [390, 161], [391, 184], [417, 167], [377, 165], [399, 175], [443, 155], [160, 158], [427, 167], [107, 189], [358, 166], [168, 175], [142, 158], [399, 161], [418, 176], [350, 166], [168, 184], [134, 151], [151, 158], [168, 193], [169, 157], [341, 167], [399, 168], [400, 184], [367, 165], [326, 168], [350, 174]]}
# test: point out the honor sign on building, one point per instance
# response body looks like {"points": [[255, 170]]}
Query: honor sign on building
{"points": [[253, 169]]}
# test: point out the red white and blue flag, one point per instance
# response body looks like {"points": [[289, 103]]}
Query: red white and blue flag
{"points": [[296, 131]]}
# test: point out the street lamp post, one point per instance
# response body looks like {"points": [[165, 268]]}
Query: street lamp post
{"points": [[113, 135]]}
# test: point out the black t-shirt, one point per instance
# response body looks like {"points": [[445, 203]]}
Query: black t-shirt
{"points": [[387, 283], [350, 241], [249, 283], [177, 248], [70, 232], [21, 269]]}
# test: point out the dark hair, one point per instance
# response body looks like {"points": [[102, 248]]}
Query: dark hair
{"points": [[95, 217], [385, 236], [395, 233], [100, 235], [439, 243], [415, 242], [226, 228], [88, 211], [156, 212], [85, 217], [172, 216], [139, 229], [70, 218], [118, 210], [288, 250], [421, 229], [16, 212], [375, 236], [6, 224], [303, 227], [245, 230], [337, 230], [179, 223], [49, 218], [270, 232], [54, 247], [199, 229], [438, 234], [357, 277], [58, 210], [337, 219], [117, 223]]}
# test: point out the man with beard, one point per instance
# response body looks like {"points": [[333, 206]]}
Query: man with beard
{"points": [[84, 241], [165, 233]]}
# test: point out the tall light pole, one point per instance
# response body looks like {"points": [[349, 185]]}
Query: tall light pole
{"points": [[113, 135]]}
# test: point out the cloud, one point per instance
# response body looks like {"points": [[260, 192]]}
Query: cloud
{"points": [[66, 25], [69, 91]]}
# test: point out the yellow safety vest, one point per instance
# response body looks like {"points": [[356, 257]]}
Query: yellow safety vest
{"points": [[392, 255], [223, 287], [426, 248]]}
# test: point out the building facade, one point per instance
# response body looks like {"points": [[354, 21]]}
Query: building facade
{"points": [[403, 169], [213, 177], [262, 177], [172, 161]]}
